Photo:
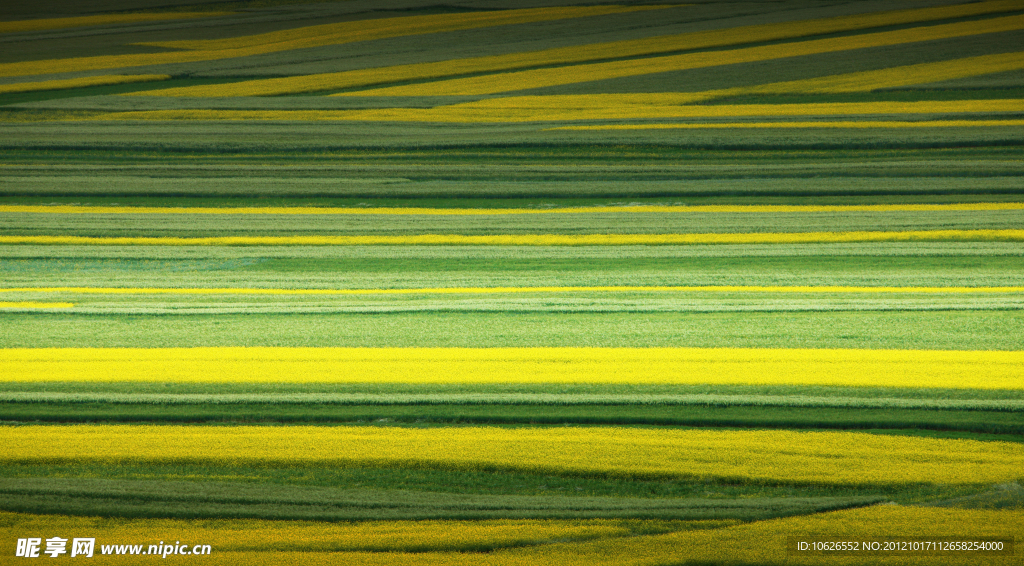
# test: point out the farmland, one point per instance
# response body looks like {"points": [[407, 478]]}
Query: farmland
{"points": [[489, 283]]}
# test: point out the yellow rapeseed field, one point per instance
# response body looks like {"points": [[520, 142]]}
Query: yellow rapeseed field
{"points": [[81, 21], [891, 77], [577, 54], [541, 239], [250, 535], [80, 82], [766, 542], [492, 290], [829, 458], [754, 543], [719, 366], [369, 29], [821, 124], [548, 77], [313, 36], [554, 109], [761, 542], [864, 81], [749, 208]]}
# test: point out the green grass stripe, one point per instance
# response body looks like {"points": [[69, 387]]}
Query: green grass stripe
{"points": [[195, 499], [943, 423], [544, 239], [1015, 405], [307, 210], [492, 290]]}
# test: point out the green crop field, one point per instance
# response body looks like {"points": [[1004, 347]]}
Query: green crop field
{"points": [[620, 283]]}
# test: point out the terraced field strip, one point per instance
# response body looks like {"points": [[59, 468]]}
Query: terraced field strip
{"points": [[369, 29], [892, 77], [785, 457], [502, 290], [508, 109], [553, 399], [581, 53], [248, 535], [313, 36], [221, 499], [842, 124], [75, 209], [80, 82], [540, 239], [740, 366], [452, 543], [99, 20], [588, 72]]}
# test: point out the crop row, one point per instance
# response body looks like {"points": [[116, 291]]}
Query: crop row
{"points": [[503, 290], [370, 29], [667, 209], [731, 227], [313, 36], [960, 420], [509, 109], [893, 368], [18, 26], [891, 77], [587, 72], [128, 498], [539, 239], [79, 82], [814, 124], [541, 399], [268, 543], [249, 535], [565, 55], [833, 458]]}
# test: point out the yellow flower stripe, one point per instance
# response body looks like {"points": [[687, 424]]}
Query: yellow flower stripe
{"points": [[842, 124], [850, 82], [761, 542], [580, 53], [492, 290], [509, 110], [369, 29], [75, 209], [843, 458], [541, 239], [891, 77], [80, 82], [766, 542], [250, 535], [839, 367], [80, 21], [34, 305], [313, 36], [539, 78]]}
